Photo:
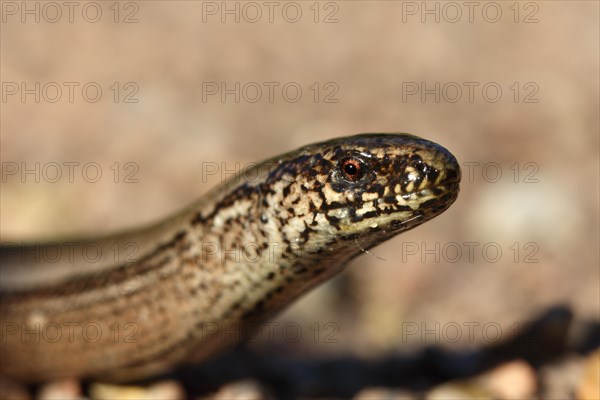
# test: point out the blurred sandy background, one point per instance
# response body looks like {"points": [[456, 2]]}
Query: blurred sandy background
{"points": [[371, 52]]}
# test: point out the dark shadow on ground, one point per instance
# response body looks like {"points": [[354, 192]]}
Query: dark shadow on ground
{"points": [[548, 338]]}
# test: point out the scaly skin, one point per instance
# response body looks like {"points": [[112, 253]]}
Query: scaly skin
{"points": [[234, 258]]}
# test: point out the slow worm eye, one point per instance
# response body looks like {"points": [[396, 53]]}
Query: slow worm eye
{"points": [[352, 169]]}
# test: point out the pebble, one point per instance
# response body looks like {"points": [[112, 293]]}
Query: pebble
{"points": [[589, 387], [241, 390], [66, 389], [513, 380], [463, 390], [162, 390]]}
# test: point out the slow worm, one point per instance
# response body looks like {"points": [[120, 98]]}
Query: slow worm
{"points": [[152, 299]]}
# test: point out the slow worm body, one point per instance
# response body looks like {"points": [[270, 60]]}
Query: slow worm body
{"points": [[159, 297]]}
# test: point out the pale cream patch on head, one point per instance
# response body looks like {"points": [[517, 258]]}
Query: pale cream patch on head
{"points": [[368, 196], [316, 199], [333, 196], [365, 209]]}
